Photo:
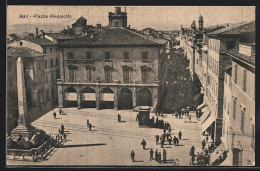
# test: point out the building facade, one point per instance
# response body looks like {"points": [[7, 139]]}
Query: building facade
{"points": [[115, 68]]}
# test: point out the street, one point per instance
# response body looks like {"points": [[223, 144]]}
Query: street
{"points": [[111, 142]]}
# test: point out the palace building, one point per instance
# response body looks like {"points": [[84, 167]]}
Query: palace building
{"points": [[112, 67]]}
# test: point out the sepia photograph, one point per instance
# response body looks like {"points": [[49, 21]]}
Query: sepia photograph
{"points": [[130, 85]]}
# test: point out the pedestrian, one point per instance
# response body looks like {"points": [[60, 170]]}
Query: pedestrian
{"points": [[159, 157], [151, 154], [137, 117], [54, 115], [162, 141], [87, 122], [192, 160], [180, 134], [143, 143], [157, 138], [89, 126], [60, 111], [169, 129], [64, 136], [177, 141], [203, 143], [118, 117], [133, 155], [170, 140], [207, 138], [164, 155], [62, 127], [59, 131], [192, 151], [164, 131], [156, 155], [174, 140]]}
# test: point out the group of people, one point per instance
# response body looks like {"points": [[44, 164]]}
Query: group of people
{"points": [[181, 112], [158, 155], [167, 137], [60, 112]]}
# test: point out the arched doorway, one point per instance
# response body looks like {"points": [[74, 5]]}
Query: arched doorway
{"points": [[70, 99], [88, 97], [144, 97], [125, 100], [106, 98], [237, 157]]}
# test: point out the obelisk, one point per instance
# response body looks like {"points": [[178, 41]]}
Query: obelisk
{"points": [[22, 128]]}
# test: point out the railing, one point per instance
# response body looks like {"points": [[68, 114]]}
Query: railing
{"points": [[36, 153]]}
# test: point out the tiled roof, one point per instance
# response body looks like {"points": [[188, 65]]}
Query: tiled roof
{"points": [[247, 59], [115, 36], [213, 29], [60, 36], [22, 52], [40, 41], [235, 29]]}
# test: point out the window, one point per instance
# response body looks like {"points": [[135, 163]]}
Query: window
{"points": [[126, 55], [51, 62], [52, 93], [107, 55], [58, 74], [44, 50], [244, 80], [45, 64], [57, 61], [108, 75], [52, 77], [46, 79], [234, 107], [116, 24], [145, 75], [126, 75], [89, 75], [56, 49], [242, 125], [253, 137], [10, 82], [88, 55], [10, 65], [70, 55], [40, 80], [235, 76], [47, 95], [50, 50], [72, 74], [39, 65], [144, 55]]}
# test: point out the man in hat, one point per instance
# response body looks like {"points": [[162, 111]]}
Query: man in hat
{"points": [[151, 154], [133, 155], [143, 143]]}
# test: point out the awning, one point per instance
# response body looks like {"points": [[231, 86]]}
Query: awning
{"points": [[217, 153], [195, 98], [228, 161], [208, 122], [205, 112], [201, 106]]}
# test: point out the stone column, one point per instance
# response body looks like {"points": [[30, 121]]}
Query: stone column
{"points": [[23, 122], [79, 96], [60, 93], [97, 90], [154, 96], [116, 98], [134, 96]]}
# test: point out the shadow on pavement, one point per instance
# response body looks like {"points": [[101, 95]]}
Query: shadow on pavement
{"points": [[138, 161], [81, 145]]}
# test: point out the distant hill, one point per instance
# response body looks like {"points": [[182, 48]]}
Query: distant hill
{"points": [[20, 29]]}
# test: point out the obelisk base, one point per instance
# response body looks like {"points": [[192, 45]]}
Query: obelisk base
{"points": [[23, 131]]}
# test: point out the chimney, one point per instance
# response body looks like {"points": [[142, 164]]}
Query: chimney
{"points": [[117, 10], [43, 34], [37, 33]]}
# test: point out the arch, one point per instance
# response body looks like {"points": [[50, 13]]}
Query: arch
{"points": [[106, 98], [125, 99], [70, 97], [88, 96], [144, 97]]}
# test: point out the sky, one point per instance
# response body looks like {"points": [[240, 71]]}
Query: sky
{"points": [[139, 17]]}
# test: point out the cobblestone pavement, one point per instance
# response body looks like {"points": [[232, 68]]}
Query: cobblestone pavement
{"points": [[111, 142]]}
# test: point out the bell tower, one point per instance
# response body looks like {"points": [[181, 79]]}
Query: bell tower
{"points": [[200, 23]]}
